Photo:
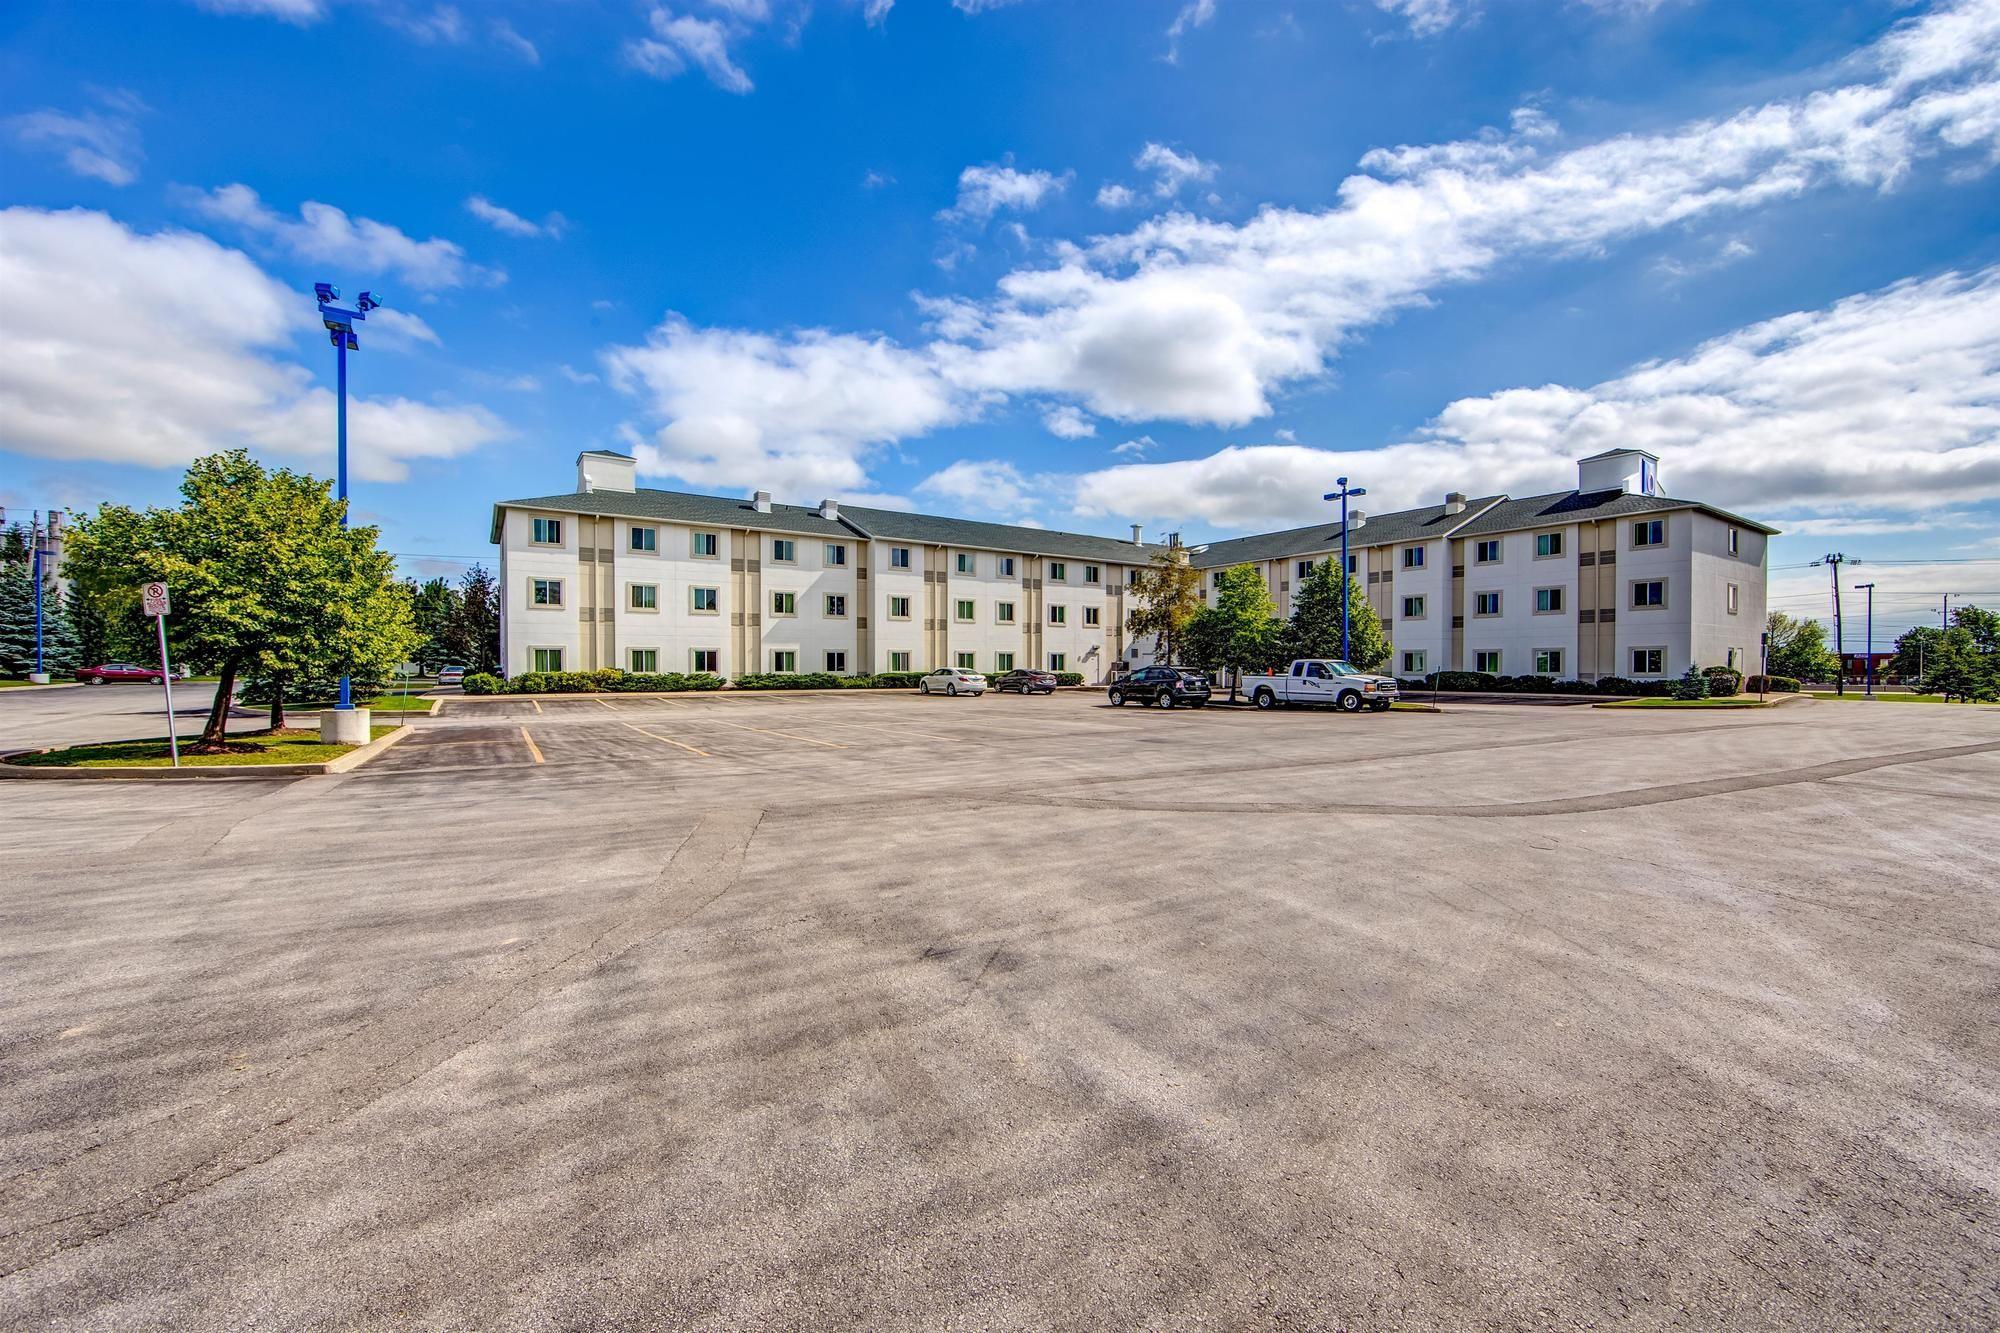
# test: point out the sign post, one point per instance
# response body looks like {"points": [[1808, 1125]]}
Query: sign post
{"points": [[154, 601]]}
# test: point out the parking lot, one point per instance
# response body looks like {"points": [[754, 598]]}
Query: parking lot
{"points": [[885, 1011]]}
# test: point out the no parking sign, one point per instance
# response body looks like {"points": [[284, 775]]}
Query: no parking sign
{"points": [[153, 599]]}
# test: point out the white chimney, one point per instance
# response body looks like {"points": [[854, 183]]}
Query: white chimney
{"points": [[829, 509], [601, 470], [761, 502], [1138, 534], [1454, 503], [1355, 520]]}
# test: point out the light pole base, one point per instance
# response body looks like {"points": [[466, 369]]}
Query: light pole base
{"points": [[343, 726], [38, 677]]}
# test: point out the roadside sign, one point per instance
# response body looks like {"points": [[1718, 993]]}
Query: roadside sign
{"points": [[409, 669], [153, 599]]}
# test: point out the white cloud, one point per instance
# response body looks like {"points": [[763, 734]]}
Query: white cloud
{"points": [[101, 142], [876, 12], [981, 6], [575, 376], [796, 412], [326, 234], [1135, 448], [1192, 15], [508, 36], [1732, 251], [291, 11], [1116, 196], [681, 40], [1879, 404], [90, 306], [442, 26], [988, 486], [986, 190], [1066, 422], [1426, 18], [403, 328], [875, 180], [1171, 170], [512, 223]]}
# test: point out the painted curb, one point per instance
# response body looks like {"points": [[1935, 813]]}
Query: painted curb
{"points": [[52, 685], [245, 773]]}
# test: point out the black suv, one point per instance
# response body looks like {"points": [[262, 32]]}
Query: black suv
{"points": [[1166, 686]]}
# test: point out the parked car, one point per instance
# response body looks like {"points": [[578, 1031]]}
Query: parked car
{"points": [[1169, 687], [119, 673], [1026, 682], [1326, 681], [952, 680], [451, 675]]}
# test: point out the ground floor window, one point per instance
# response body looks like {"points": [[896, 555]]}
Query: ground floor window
{"points": [[1058, 662], [1003, 661], [1413, 663], [836, 662], [1648, 661], [1548, 662], [547, 659], [965, 661], [706, 659], [784, 661], [899, 661], [645, 661], [1734, 657], [1487, 661]]}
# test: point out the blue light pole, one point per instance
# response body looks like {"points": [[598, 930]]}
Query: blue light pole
{"points": [[1870, 589], [40, 674], [1342, 495], [340, 329]]}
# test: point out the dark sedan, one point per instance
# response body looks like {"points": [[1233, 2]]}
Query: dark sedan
{"points": [[1169, 687], [116, 672], [1026, 682]]}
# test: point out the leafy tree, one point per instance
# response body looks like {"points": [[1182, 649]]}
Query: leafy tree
{"points": [[478, 635], [1968, 665], [1168, 596], [265, 581], [17, 624], [1314, 630], [1798, 649], [1915, 651], [1241, 632], [438, 615]]}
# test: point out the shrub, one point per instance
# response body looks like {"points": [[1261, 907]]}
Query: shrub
{"points": [[1464, 680], [1775, 684], [1723, 681], [1532, 684], [1069, 678], [480, 682], [604, 681], [788, 680], [1578, 687], [1692, 685], [889, 680]]}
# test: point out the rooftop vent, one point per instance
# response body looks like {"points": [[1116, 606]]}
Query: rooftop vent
{"points": [[1138, 534], [1355, 520], [1454, 503], [761, 502], [829, 509]]}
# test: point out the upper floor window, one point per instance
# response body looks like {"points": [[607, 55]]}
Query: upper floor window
{"points": [[1058, 571], [1304, 568], [1735, 542], [1486, 604], [546, 532], [1649, 532], [1215, 579], [645, 597], [706, 545], [899, 609], [1003, 613], [1413, 557], [1486, 552], [1007, 566], [836, 605], [836, 555], [784, 603], [1732, 599], [965, 609], [966, 563], [1548, 544], [784, 551], [546, 592], [1649, 592], [1090, 616], [1091, 574], [1058, 615], [1548, 600], [704, 600], [645, 539], [1413, 608], [899, 557]]}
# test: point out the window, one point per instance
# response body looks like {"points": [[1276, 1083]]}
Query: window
{"points": [[784, 551], [1649, 592], [1548, 662], [836, 661], [1649, 532], [705, 659], [706, 545], [1486, 552], [1003, 613], [548, 659], [899, 558], [547, 532], [784, 603], [1735, 542], [644, 596], [1413, 558], [1058, 662], [899, 661], [899, 608], [1007, 565], [1350, 562], [1304, 568], [1732, 599], [965, 662], [645, 539], [1730, 659], [1215, 579], [1092, 574], [1548, 601], [1003, 661], [836, 604], [966, 564], [1648, 661], [836, 555], [546, 592], [1548, 544], [1413, 663], [704, 601], [1058, 615], [1413, 608], [1486, 604], [1090, 615], [1058, 571], [964, 610], [784, 661], [645, 661], [1132, 577], [1487, 661]]}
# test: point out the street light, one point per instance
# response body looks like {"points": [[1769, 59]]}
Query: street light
{"points": [[1869, 588], [1342, 495], [339, 326]]}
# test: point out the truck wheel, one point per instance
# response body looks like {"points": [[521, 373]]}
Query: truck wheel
{"points": [[1264, 699], [1350, 701], [1117, 698]]}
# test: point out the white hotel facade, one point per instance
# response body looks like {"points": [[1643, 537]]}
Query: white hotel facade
{"points": [[1613, 578]]}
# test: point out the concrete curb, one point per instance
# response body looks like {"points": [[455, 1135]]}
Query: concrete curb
{"points": [[683, 694], [52, 685], [222, 773]]}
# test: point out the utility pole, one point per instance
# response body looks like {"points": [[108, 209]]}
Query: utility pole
{"points": [[1833, 560], [1869, 588], [1944, 616]]}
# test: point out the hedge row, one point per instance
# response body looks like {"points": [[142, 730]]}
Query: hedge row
{"points": [[591, 682], [1774, 684], [1477, 682], [826, 680]]}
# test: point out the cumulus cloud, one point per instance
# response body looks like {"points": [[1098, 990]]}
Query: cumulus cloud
{"points": [[986, 190], [1881, 402], [1192, 15], [1116, 196], [1135, 448], [1066, 422], [442, 26], [680, 40], [512, 223], [1171, 170], [989, 486], [1426, 18], [326, 234], [510, 37], [300, 12], [90, 306], [100, 142]]}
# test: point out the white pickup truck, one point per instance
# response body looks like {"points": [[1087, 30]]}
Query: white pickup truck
{"points": [[1323, 681]]}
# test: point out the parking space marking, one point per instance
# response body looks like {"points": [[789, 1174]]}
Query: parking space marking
{"points": [[668, 739], [788, 735], [533, 748], [537, 703], [606, 706]]}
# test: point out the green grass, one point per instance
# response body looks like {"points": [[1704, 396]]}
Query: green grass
{"points": [[1404, 706], [1881, 697], [387, 703], [266, 749], [1734, 702], [12, 684]]}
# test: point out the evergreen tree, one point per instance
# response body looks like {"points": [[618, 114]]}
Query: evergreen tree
{"points": [[437, 613], [477, 638], [1314, 629], [60, 651], [1692, 685]]}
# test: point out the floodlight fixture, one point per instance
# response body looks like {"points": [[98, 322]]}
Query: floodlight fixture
{"points": [[326, 291], [369, 301]]}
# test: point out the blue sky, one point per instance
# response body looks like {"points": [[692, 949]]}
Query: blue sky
{"points": [[1075, 264]]}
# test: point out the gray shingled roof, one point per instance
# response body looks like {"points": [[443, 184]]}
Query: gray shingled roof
{"points": [[1403, 525], [1533, 511], [895, 525]]}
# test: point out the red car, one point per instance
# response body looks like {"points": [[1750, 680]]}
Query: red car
{"points": [[112, 672]]}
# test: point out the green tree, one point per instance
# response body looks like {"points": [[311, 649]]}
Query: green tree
{"points": [[1241, 632], [436, 612], [1798, 649], [17, 624], [1971, 651], [1916, 649], [478, 633], [1314, 629], [264, 579], [1692, 685], [1167, 594]]}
